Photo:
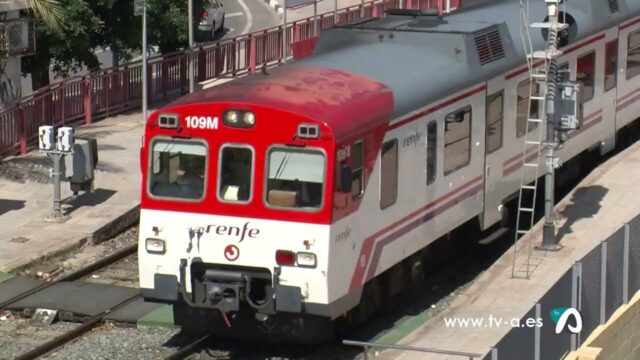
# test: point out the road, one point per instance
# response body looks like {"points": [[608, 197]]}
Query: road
{"points": [[242, 16]]}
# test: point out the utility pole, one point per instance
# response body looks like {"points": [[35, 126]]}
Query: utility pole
{"points": [[315, 18], [549, 229], [285, 40], [192, 83], [144, 61]]}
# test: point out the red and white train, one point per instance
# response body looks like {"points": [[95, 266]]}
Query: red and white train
{"points": [[282, 201]]}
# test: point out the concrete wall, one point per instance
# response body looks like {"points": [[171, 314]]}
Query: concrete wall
{"points": [[618, 339]]}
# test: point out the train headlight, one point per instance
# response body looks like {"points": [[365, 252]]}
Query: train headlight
{"points": [[306, 259], [239, 118], [155, 246], [231, 117], [248, 118]]}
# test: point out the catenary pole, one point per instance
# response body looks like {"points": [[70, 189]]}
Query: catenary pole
{"points": [[284, 34], [192, 84], [144, 61], [549, 229]]}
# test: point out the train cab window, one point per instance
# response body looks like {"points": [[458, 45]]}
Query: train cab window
{"points": [[295, 178], [177, 169], [457, 140], [633, 55], [522, 118], [610, 65], [586, 74], [432, 147], [235, 173], [495, 112], [389, 174], [357, 169]]}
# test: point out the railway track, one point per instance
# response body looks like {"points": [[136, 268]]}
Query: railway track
{"points": [[76, 275], [190, 348]]}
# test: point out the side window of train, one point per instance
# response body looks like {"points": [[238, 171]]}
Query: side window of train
{"points": [[357, 169], [432, 148], [495, 112], [586, 74], [633, 55], [389, 174], [610, 65], [523, 112], [457, 140]]}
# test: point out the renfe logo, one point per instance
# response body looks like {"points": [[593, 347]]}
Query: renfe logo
{"points": [[234, 231], [561, 317]]}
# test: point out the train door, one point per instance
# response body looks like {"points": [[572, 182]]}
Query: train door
{"points": [[494, 151], [610, 90]]}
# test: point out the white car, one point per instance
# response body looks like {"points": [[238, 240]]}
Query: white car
{"points": [[212, 19]]}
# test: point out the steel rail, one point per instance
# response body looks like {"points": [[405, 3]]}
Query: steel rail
{"points": [[188, 350], [77, 274], [366, 345], [73, 334]]}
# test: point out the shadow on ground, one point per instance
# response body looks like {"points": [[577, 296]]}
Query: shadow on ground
{"points": [[585, 203], [10, 205], [94, 198], [26, 169]]}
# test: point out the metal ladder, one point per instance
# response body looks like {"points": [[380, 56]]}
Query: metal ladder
{"points": [[538, 63]]}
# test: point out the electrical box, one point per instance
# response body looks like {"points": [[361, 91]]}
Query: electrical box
{"points": [[46, 138], [80, 165], [568, 109], [65, 139]]}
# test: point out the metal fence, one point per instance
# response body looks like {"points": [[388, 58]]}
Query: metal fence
{"points": [[596, 286], [118, 89]]}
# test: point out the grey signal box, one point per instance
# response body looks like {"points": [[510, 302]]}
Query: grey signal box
{"points": [[80, 165], [568, 109]]}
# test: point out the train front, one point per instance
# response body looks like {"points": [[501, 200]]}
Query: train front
{"points": [[234, 222]]}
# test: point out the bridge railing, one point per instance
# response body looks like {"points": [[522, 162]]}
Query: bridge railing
{"points": [[118, 89]]}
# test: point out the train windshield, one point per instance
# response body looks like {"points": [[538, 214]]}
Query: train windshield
{"points": [[295, 178], [235, 173], [178, 169]]}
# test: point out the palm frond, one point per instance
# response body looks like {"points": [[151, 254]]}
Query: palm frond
{"points": [[49, 11]]}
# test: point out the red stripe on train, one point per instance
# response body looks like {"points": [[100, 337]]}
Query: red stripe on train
{"points": [[365, 251]]}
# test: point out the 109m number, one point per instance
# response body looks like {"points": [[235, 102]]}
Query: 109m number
{"points": [[202, 122]]}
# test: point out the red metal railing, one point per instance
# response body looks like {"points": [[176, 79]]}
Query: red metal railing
{"points": [[118, 89]]}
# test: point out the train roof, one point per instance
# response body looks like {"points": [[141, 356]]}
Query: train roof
{"points": [[346, 102], [453, 52], [417, 57]]}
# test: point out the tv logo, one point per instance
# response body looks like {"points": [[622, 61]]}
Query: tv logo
{"points": [[560, 316]]}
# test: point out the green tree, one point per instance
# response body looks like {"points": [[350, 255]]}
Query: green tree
{"points": [[122, 32], [167, 23], [48, 11], [70, 47], [89, 24]]}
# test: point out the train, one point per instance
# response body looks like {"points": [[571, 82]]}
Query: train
{"points": [[280, 203]]}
